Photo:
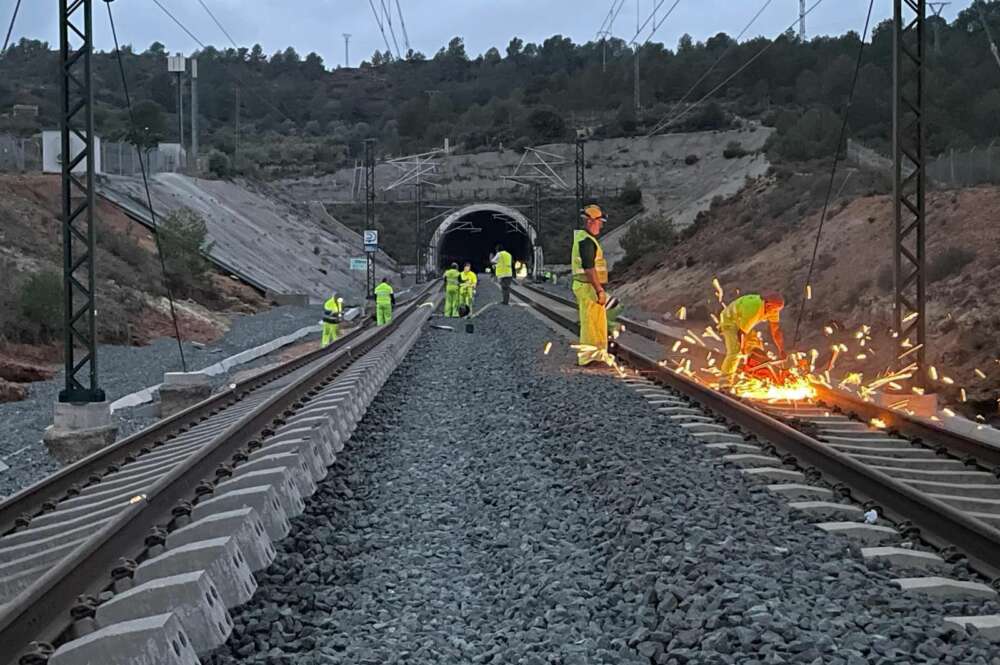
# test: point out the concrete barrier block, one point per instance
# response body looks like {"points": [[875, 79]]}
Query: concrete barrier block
{"points": [[799, 491], [297, 467], [312, 437], [827, 510], [157, 639], [220, 557], [243, 524], [945, 588], [899, 556], [304, 448], [987, 625], [263, 499], [280, 479], [868, 534], [193, 599]]}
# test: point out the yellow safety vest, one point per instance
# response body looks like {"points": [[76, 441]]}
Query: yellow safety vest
{"points": [[504, 259], [451, 278], [332, 305], [600, 264], [383, 294], [746, 312], [469, 279]]}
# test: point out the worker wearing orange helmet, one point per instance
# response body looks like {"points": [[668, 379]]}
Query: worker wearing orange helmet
{"points": [[590, 274], [737, 321]]}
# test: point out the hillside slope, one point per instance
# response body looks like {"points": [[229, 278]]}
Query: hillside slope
{"points": [[748, 249]]}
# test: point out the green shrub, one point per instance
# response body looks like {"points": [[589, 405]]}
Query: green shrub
{"points": [[40, 304], [948, 263], [646, 236], [183, 240], [631, 194], [734, 150], [219, 164]]}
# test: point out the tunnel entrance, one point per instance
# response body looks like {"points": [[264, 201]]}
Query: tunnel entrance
{"points": [[471, 234]]}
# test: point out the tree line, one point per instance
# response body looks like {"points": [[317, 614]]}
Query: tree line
{"points": [[294, 111]]}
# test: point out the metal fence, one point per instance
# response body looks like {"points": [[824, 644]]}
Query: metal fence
{"points": [[24, 155], [956, 168], [20, 155]]}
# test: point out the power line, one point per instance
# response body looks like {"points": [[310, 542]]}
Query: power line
{"points": [[663, 123], [616, 6], [650, 18], [221, 27], [388, 19], [149, 198], [381, 27], [402, 24], [722, 57], [833, 171], [234, 76], [10, 29]]}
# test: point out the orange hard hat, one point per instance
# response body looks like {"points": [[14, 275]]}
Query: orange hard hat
{"points": [[593, 212]]}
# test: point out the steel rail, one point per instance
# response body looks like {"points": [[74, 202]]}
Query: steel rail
{"points": [[987, 455], [39, 498], [40, 612], [939, 523]]}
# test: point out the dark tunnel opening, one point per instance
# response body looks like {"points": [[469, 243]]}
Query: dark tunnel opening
{"points": [[473, 239]]}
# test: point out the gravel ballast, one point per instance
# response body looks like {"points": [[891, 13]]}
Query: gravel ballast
{"points": [[497, 505], [123, 370]]}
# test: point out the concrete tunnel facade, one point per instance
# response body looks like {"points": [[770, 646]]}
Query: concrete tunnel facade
{"points": [[471, 233]]}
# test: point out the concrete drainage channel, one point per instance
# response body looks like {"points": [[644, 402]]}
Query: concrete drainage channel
{"points": [[219, 494], [898, 545]]}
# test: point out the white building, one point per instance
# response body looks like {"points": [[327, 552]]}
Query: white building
{"points": [[52, 152]]}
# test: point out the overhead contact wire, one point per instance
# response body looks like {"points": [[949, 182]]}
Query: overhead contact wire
{"points": [[149, 198], [833, 171]]}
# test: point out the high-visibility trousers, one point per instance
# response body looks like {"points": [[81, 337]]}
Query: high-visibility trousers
{"points": [[465, 296], [451, 300], [734, 350], [330, 333], [593, 325], [383, 313]]}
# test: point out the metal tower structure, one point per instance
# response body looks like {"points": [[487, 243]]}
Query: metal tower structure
{"points": [[370, 213], [415, 169], [802, 20], [909, 179], [76, 115], [937, 8], [581, 176], [347, 49]]}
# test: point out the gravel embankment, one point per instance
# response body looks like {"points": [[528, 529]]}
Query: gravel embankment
{"points": [[123, 370], [499, 506]]}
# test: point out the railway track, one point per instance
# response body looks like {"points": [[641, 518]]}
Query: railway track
{"points": [[937, 487], [207, 489]]}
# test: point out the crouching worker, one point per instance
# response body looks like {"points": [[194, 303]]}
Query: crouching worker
{"points": [[737, 321], [333, 310]]}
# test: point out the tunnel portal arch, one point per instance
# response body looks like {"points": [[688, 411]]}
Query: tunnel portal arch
{"points": [[471, 232]]}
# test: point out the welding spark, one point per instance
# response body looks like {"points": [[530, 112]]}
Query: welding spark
{"points": [[548, 347], [718, 288], [980, 373], [948, 412], [910, 317], [676, 346], [682, 313], [962, 392], [932, 372], [877, 423], [809, 292]]}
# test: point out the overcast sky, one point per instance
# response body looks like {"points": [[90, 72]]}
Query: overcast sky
{"points": [[317, 25]]}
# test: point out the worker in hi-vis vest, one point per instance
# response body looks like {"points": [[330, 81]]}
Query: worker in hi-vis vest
{"points": [[467, 291], [737, 321], [333, 310], [503, 263], [590, 274], [384, 300], [452, 284]]}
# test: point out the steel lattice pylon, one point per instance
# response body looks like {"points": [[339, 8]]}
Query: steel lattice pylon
{"points": [[77, 121], [581, 176], [370, 212], [910, 50]]}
